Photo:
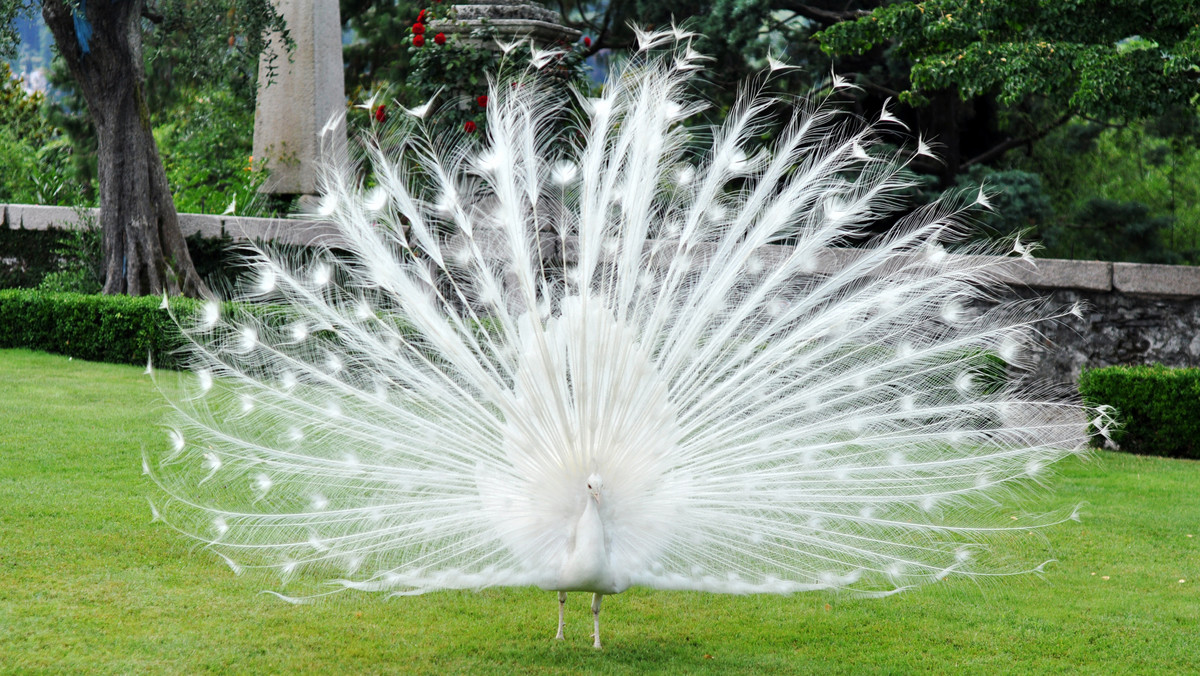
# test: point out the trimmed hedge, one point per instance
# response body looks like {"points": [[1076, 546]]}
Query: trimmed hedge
{"points": [[1158, 407], [117, 329]]}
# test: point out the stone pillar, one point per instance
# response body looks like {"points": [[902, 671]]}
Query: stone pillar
{"points": [[292, 121], [511, 19]]}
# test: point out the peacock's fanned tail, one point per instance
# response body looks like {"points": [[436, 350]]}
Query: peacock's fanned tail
{"points": [[771, 410]]}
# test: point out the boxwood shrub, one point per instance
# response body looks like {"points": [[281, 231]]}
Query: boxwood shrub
{"points": [[1158, 408], [121, 329], [117, 329]]}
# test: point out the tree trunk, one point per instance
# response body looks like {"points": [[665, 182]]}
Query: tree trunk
{"points": [[945, 107], [144, 249]]}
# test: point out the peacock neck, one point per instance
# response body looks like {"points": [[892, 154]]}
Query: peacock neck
{"points": [[589, 532], [587, 566]]}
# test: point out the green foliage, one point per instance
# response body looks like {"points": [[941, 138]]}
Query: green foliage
{"points": [[80, 254], [218, 260], [376, 58], [19, 160], [738, 35], [205, 147], [990, 77], [1019, 202], [1061, 158], [200, 43], [1151, 167], [1135, 164], [69, 281], [9, 11], [1156, 406], [67, 111], [117, 329], [990, 372], [202, 62], [1108, 230], [457, 72], [20, 109], [35, 155], [1111, 59]]}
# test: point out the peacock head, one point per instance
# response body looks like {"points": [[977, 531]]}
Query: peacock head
{"points": [[594, 485]]}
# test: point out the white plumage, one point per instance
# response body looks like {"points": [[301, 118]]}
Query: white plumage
{"points": [[583, 362]]}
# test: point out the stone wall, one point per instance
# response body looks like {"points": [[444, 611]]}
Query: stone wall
{"points": [[1131, 313], [1119, 327], [286, 230]]}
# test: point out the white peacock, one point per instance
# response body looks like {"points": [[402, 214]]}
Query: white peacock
{"points": [[587, 365]]}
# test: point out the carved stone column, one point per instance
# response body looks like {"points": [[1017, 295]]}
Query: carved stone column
{"points": [[301, 114], [511, 19]]}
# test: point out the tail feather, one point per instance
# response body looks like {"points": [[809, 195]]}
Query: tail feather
{"points": [[771, 409]]}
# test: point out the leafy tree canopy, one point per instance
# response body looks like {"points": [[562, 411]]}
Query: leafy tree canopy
{"points": [[378, 52], [1108, 59], [199, 42], [9, 38], [737, 34]]}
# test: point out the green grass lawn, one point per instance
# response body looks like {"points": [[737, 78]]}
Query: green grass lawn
{"points": [[89, 584]]}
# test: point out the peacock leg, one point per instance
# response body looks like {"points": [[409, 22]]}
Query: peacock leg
{"points": [[596, 618], [562, 606]]}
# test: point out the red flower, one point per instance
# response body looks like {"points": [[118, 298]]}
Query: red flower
{"points": [[587, 42], [380, 114], [481, 100], [418, 41], [439, 39], [418, 29], [469, 127], [421, 16]]}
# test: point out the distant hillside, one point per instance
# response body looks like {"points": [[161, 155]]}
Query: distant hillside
{"points": [[35, 50]]}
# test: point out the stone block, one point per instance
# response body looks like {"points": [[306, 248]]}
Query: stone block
{"points": [[207, 225], [1056, 273], [313, 233], [255, 229], [36, 217], [1160, 280], [284, 231]]}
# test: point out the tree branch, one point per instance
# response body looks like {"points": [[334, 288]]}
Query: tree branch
{"points": [[820, 14], [1105, 123], [602, 35], [586, 23], [778, 24], [867, 84], [1000, 149]]}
